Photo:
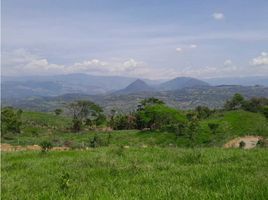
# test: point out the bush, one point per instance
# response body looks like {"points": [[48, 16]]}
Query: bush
{"points": [[262, 143], [242, 144], [58, 111], [46, 146], [265, 111], [203, 112], [213, 127], [96, 142]]}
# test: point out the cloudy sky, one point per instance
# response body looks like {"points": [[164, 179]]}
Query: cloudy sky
{"points": [[142, 38]]}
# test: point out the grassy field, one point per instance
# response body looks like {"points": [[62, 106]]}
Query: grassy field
{"points": [[136, 173], [133, 164]]}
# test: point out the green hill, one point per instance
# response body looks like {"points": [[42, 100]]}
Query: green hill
{"points": [[46, 126]]}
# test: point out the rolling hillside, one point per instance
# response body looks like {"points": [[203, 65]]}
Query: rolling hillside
{"points": [[180, 83]]}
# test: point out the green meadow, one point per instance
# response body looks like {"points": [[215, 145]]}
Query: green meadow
{"points": [[136, 173]]}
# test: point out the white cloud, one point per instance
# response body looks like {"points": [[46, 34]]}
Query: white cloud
{"points": [[261, 60], [218, 16], [22, 62], [227, 62], [178, 50], [193, 46]]}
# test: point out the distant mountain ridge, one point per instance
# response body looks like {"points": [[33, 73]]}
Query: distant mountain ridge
{"points": [[135, 87], [35, 86], [186, 98], [181, 82], [245, 81]]}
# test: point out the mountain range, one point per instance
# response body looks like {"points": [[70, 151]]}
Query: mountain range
{"points": [[46, 93], [21, 87]]}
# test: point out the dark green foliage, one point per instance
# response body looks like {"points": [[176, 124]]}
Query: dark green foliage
{"points": [[264, 111], [158, 116], [123, 122], [58, 111], [203, 112], [252, 105], [192, 128], [10, 120], [46, 146], [213, 127], [255, 104], [236, 102], [100, 119], [179, 129]]}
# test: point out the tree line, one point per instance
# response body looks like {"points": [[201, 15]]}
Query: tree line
{"points": [[150, 114]]}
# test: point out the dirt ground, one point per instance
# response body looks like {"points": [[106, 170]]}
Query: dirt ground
{"points": [[7, 148], [249, 141]]}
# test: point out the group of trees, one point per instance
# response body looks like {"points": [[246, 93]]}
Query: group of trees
{"points": [[252, 105], [85, 113], [151, 114]]}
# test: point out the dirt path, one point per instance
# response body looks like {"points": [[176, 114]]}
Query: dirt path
{"points": [[8, 148], [249, 141]]}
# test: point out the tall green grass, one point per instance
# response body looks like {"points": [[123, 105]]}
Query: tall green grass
{"points": [[136, 173]]}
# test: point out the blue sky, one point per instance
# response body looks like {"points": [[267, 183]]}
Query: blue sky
{"points": [[142, 38]]}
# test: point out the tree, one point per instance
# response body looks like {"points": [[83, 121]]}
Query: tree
{"points": [[58, 111], [255, 104], [11, 120], [84, 112], [149, 102], [124, 122], [203, 112], [158, 116], [236, 102], [192, 127]]}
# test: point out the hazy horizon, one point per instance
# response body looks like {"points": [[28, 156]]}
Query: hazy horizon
{"points": [[141, 39]]}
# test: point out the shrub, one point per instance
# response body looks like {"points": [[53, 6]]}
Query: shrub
{"points": [[265, 111], [242, 144], [58, 111], [64, 181], [213, 127], [96, 142], [262, 143], [46, 146], [203, 112]]}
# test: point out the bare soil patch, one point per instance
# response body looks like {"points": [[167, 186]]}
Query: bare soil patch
{"points": [[8, 148], [249, 142]]}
